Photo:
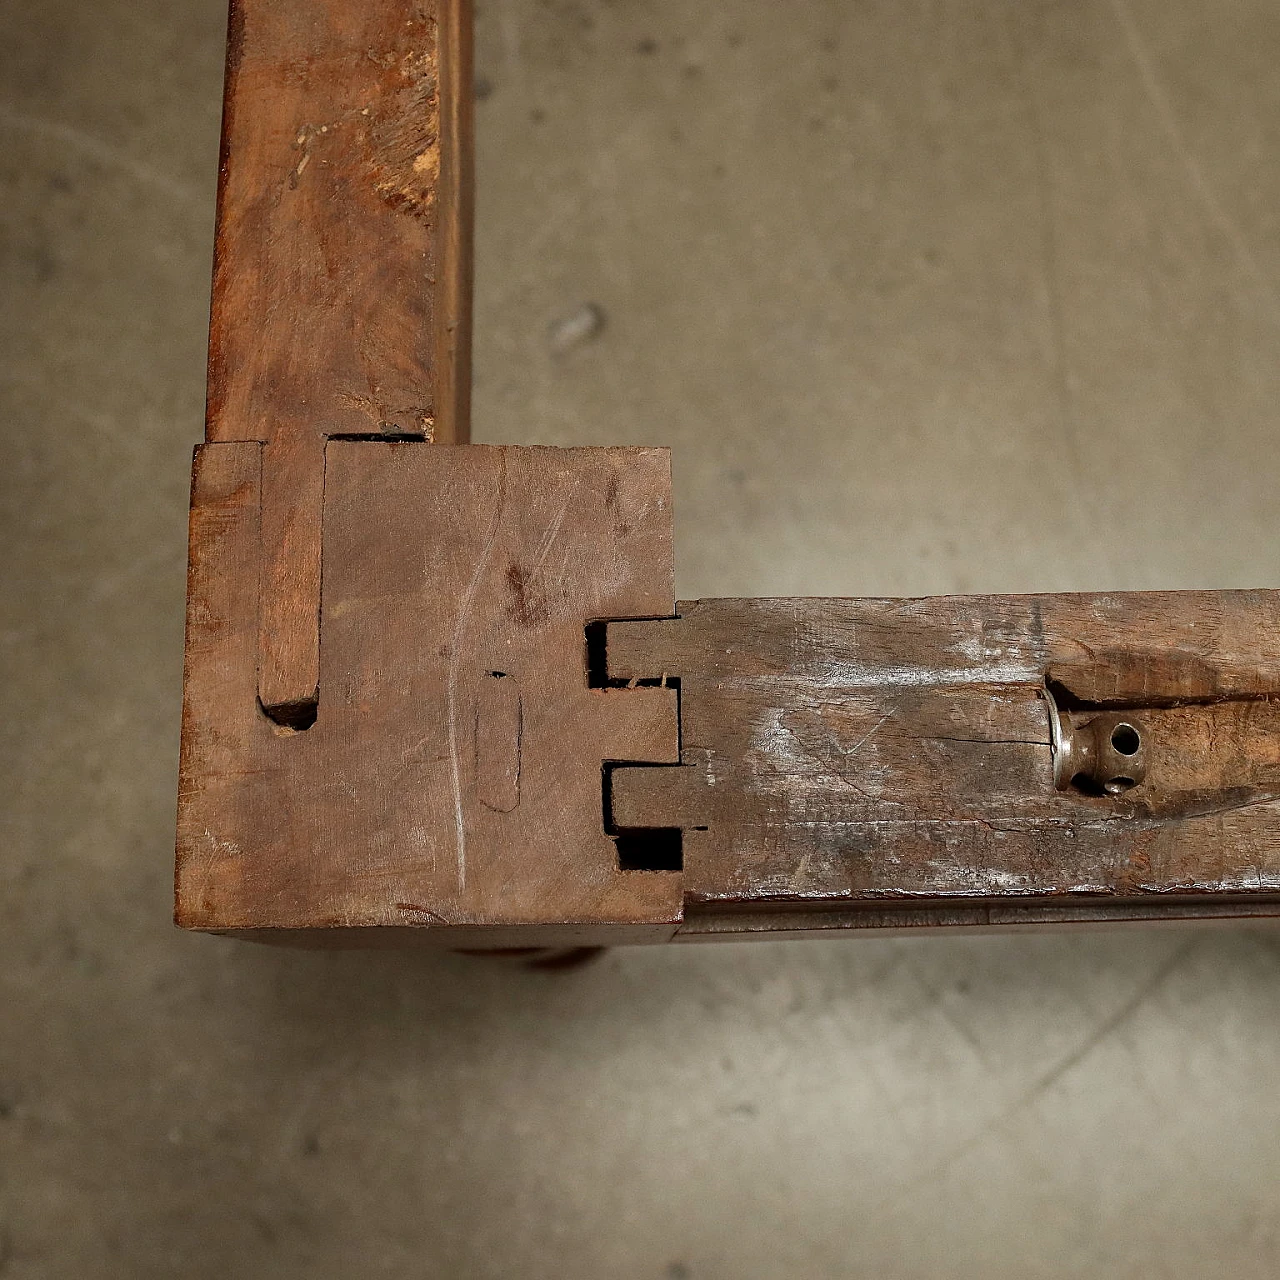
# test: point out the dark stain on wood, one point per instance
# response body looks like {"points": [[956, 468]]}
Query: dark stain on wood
{"points": [[529, 606]]}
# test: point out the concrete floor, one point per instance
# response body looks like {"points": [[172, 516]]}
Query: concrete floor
{"points": [[948, 295]]}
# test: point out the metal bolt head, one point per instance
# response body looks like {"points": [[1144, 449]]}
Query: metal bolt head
{"points": [[1105, 753]]}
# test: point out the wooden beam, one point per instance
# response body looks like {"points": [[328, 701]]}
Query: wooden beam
{"points": [[880, 754], [342, 270]]}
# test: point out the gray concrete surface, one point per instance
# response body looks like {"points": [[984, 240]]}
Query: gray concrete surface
{"points": [[959, 295]]}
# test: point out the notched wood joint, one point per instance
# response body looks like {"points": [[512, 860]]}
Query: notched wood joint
{"points": [[653, 846], [598, 673], [649, 848]]}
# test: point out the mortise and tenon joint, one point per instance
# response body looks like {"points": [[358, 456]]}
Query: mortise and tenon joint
{"points": [[443, 693]]}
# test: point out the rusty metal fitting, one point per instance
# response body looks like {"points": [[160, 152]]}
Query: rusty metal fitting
{"points": [[1100, 752]]}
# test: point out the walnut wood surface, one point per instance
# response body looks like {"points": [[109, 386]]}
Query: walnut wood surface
{"points": [[452, 782], [845, 753], [341, 300]]}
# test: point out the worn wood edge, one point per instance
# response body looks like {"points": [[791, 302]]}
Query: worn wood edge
{"points": [[455, 222], [226, 482], [807, 923], [1110, 678], [449, 937]]}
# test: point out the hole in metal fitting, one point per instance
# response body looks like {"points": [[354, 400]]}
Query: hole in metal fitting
{"points": [[1126, 740], [1116, 785]]}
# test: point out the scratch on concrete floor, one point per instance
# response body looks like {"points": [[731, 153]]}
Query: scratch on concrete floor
{"points": [[107, 156], [1097, 1036], [1163, 108]]}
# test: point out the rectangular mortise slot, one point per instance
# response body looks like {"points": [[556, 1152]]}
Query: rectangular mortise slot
{"points": [[295, 716], [597, 655], [597, 649], [640, 848], [381, 437], [650, 849]]}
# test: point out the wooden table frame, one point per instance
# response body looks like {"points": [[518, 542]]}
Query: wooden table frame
{"points": [[442, 693]]}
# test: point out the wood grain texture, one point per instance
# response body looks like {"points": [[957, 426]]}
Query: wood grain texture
{"points": [[451, 786], [342, 266], [839, 754]]}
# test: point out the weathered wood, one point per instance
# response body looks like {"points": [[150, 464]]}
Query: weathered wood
{"points": [[342, 267], [398, 723], [838, 753], [452, 783]]}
